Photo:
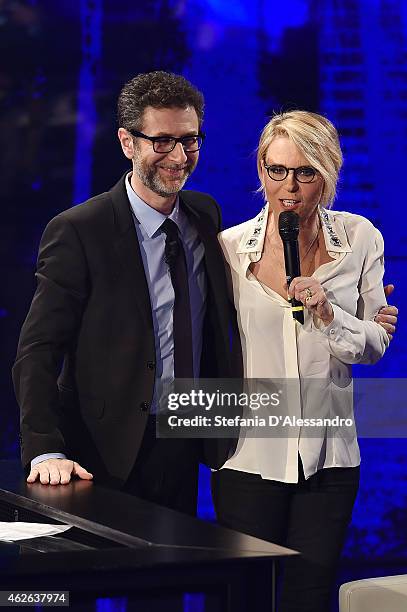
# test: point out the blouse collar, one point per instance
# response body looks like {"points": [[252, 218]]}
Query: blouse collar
{"points": [[336, 240]]}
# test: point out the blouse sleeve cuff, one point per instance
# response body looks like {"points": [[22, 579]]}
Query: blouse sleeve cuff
{"points": [[334, 329]]}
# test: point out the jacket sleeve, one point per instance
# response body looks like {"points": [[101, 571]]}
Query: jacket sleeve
{"points": [[358, 339], [48, 332]]}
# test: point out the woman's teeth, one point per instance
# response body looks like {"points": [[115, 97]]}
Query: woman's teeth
{"points": [[289, 203]]}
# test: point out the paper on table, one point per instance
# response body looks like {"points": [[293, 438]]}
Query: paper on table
{"points": [[12, 531]]}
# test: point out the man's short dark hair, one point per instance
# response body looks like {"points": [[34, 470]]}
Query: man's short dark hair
{"points": [[158, 89]]}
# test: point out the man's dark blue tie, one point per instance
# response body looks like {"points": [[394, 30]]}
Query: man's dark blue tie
{"points": [[182, 326]]}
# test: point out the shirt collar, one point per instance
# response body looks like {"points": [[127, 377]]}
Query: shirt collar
{"points": [[335, 237], [150, 218]]}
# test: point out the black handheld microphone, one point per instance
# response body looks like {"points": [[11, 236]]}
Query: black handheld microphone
{"points": [[289, 227]]}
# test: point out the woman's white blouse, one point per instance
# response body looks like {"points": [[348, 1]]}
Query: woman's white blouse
{"points": [[314, 360]]}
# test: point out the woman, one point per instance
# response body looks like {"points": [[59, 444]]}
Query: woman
{"points": [[295, 489]]}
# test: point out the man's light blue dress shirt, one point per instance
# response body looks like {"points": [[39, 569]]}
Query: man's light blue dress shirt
{"points": [[151, 239]]}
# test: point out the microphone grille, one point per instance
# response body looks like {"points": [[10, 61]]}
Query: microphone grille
{"points": [[288, 225]]}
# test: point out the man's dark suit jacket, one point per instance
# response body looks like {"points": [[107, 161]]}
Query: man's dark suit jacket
{"points": [[91, 312]]}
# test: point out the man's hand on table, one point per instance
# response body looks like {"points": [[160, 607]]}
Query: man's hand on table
{"points": [[57, 471]]}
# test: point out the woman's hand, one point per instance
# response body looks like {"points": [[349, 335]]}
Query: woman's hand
{"points": [[309, 291]]}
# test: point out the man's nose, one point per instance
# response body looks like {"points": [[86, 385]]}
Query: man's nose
{"points": [[178, 154]]}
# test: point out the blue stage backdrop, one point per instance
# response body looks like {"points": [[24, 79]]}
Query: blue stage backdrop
{"points": [[62, 65]]}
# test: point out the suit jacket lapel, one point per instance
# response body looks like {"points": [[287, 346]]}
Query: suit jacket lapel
{"points": [[207, 234], [127, 248]]}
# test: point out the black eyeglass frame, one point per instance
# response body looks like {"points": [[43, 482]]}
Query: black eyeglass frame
{"points": [[287, 171], [154, 139]]}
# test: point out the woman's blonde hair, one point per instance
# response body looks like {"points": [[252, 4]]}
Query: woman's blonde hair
{"points": [[316, 138]]}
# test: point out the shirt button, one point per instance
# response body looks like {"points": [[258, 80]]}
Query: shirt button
{"points": [[332, 332], [143, 406], [151, 365]]}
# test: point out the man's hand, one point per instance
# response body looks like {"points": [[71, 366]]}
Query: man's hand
{"points": [[57, 471], [387, 316]]}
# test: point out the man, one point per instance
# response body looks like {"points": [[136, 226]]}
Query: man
{"points": [[110, 310], [108, 306]]}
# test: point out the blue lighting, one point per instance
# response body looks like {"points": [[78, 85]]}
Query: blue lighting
{"points": [[91, 21], [194, 602], [111, 604]]}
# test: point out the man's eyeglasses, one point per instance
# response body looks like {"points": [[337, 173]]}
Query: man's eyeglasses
{"points": [[303, 174], [165, 144]]}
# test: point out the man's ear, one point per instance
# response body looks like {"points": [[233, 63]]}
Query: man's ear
{"points": [[127, 142]]}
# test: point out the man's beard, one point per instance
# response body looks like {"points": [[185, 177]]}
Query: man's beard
{"points": [[149, 175]]}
